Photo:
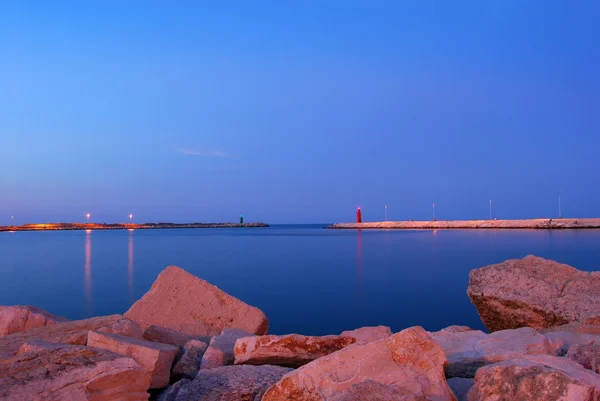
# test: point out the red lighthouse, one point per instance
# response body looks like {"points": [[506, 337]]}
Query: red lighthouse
{"points": [[358, 216]]}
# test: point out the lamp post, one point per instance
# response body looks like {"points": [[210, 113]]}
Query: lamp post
{"points": [[130, 217], [433, 207], [88, 218], [385, 214], [490, 209]]}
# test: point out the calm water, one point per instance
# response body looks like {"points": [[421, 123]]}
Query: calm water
{"points": [[305, 278]]}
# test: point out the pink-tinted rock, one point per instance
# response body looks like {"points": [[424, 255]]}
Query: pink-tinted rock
{"points": [[409, 359], [467, 351], [567, 339], [365, 335], [375, 391], [38, 346], [74, 332], [456, 329], [167, 336], [292, 350], [575, 327], [156, 358], [14, 319], [185, 303], [534, 292], [535, 377], [230, 383], [190, 360], [74, 373], [220, 351], [586, 355]]}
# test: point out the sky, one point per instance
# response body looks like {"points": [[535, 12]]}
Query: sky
{"points": [[299, 111]]}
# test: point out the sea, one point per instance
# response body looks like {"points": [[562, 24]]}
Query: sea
{"points": [[306, 278]]}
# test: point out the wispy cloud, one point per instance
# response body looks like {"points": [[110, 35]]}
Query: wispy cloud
{"points": [[201, 152]]}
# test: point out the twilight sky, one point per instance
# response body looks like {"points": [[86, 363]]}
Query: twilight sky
{"points": [[298, 113]]}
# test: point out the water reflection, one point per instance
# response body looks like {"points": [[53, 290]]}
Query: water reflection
{"points": [[87, 268], [359, 261], [130, 266]]}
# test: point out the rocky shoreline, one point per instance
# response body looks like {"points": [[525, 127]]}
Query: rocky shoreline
{"points": [[186, 340], [124, 226], [525, 224]]}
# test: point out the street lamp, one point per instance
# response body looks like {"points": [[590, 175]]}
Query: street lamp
{"points": [[490, 209], [130, 217], [385, 213], [88, 217], [433, 206]]}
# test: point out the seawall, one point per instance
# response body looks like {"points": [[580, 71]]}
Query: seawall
{"points": [[526, 224]]}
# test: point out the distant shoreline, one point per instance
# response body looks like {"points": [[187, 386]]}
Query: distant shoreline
{"points": [[123, 226], [525, 224]]}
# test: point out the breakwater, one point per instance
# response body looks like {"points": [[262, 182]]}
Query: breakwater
{"points": [[124, 226], [532, 224]]}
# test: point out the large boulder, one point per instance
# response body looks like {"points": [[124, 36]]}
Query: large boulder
{"points": [[74, 332], [409, 359], [185, 303], [156, 358], [228, 383], [368, 334], [14, 319], [467, 351], [292, 350], [74, 373], [535, 377], [534, 292], [220, 351], [190, 360]]}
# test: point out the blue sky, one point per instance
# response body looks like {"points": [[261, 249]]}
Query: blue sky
{"points": [[298, 112]]}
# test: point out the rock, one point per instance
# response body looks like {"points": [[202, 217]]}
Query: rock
{"points": [[535, 377], [586, 355], [167, 336], [170, 393], [37, 346], [292, 350], [14, 319], [460, 387], [534, 292], [185, 303], [375, 391], [365, 335], [576, 336], [409, 359], [456, 329], [74, 373], [575, 327], [156, 358], [73, 332], [467, 351], [189, 363], [231, 383], [220, 350]]}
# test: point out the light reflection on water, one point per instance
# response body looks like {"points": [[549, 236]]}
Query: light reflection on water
{"points": [[130, 266], [87, 268]]}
